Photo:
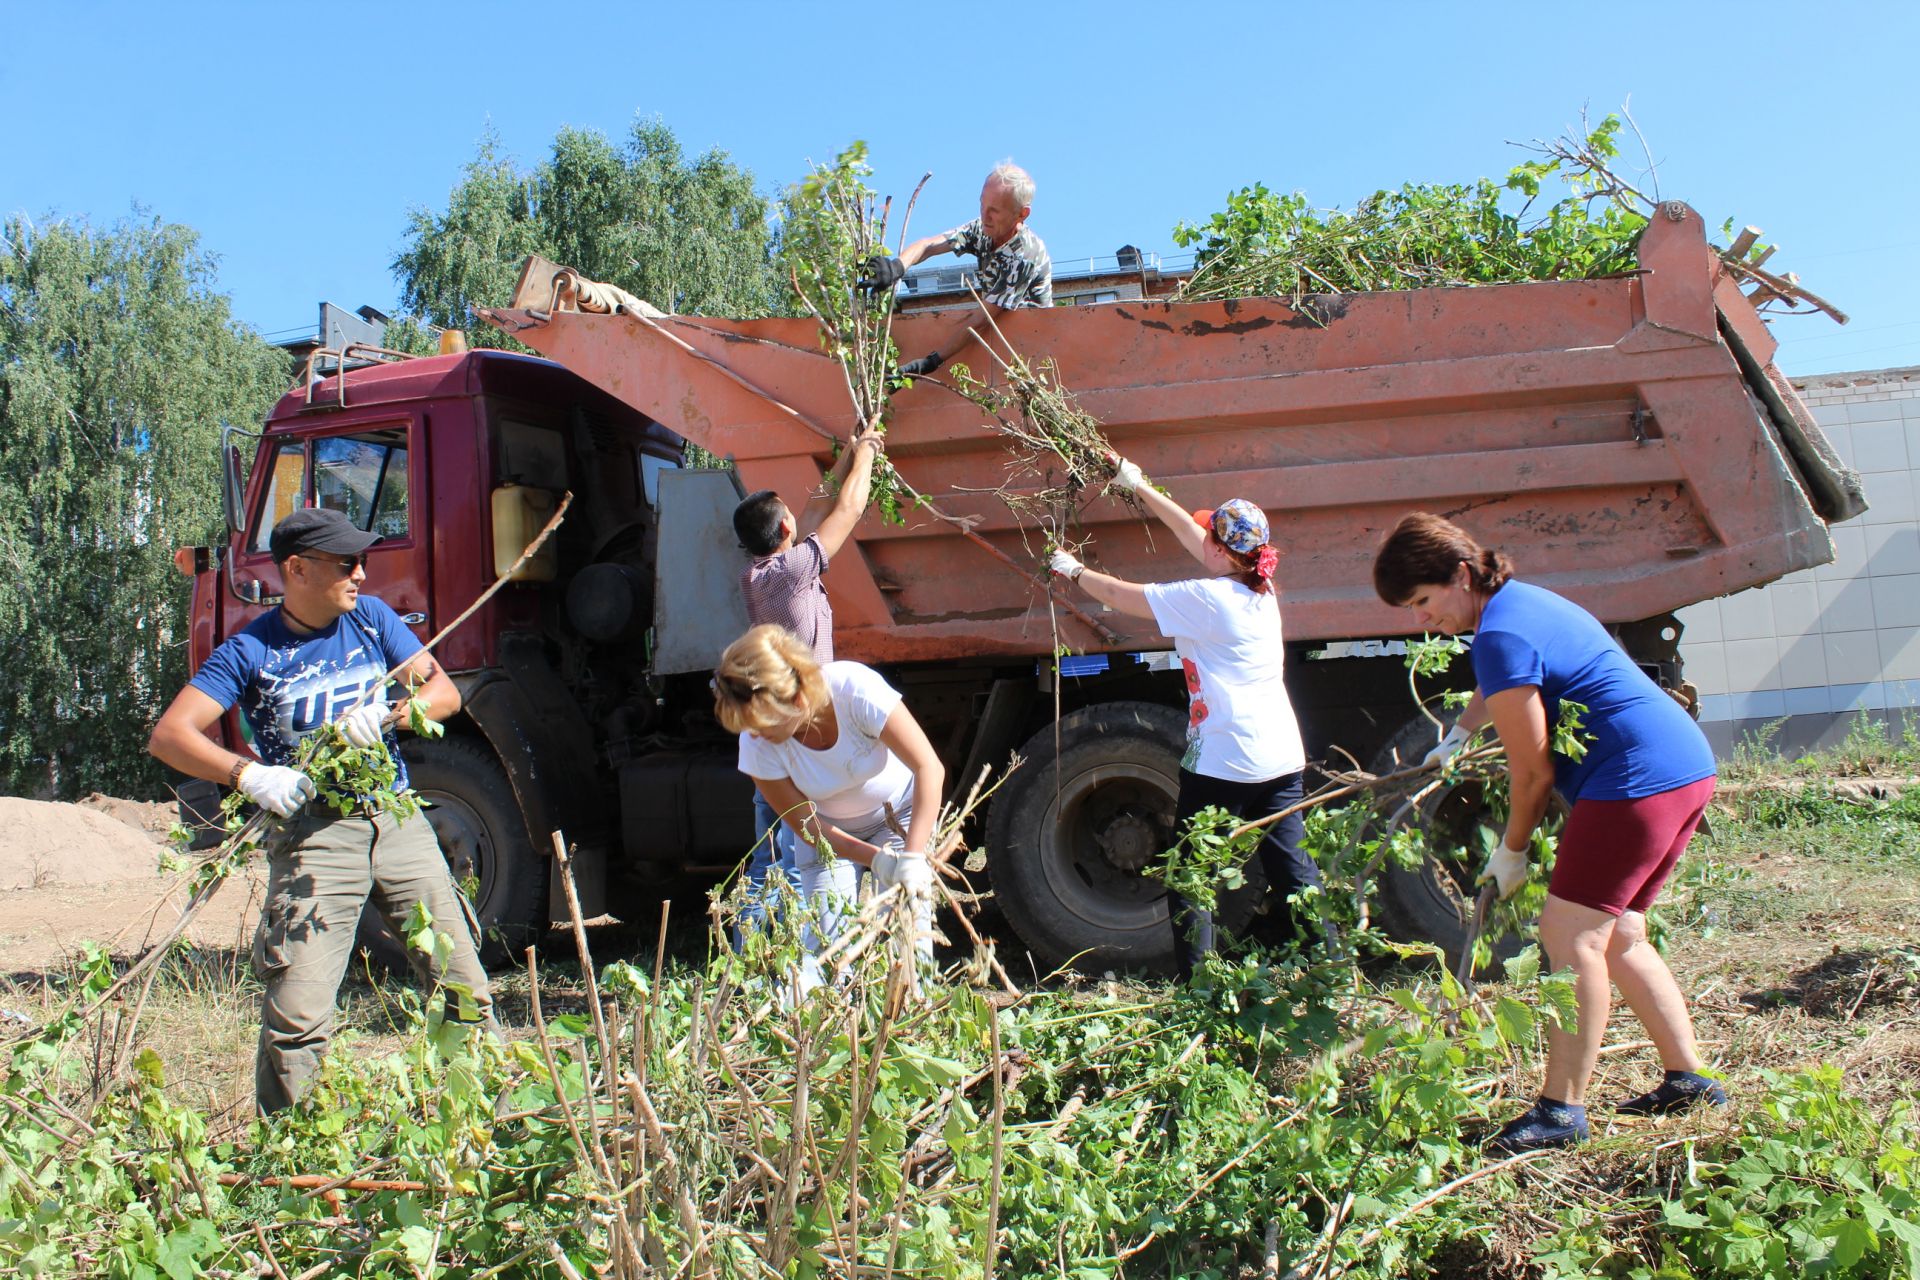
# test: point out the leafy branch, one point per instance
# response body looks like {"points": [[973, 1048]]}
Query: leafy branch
{"points": [[832, 224]]}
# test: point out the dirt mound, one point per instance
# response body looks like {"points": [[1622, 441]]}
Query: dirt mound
{"points": [[155, 817], [43, 843]]}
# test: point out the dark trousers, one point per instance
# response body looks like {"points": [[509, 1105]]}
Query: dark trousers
{"points": [[1287, 868]]}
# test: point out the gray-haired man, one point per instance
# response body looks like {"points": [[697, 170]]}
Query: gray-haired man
{"points": [[1014, 269]]}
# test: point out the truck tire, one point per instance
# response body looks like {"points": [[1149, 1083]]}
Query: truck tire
{"points": [[1434, 902], [1066, 844], [470, 803]]}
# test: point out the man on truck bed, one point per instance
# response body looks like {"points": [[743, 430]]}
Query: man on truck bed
{"points": [[1014, 269], [782, 587], [290, 671]]}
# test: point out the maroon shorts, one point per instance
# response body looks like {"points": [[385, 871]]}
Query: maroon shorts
{"points": [[1616, 855]]}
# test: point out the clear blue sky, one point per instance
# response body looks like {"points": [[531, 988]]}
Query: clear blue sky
{"points": [[296, 139]]}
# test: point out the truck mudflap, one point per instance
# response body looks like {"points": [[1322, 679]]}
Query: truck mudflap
{"points": [[505, 715]]}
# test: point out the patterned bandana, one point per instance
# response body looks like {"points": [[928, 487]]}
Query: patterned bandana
{"points": [[1240, 526]]}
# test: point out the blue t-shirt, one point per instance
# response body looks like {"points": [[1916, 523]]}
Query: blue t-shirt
{"points": [[288, 685], [1640, 742]]}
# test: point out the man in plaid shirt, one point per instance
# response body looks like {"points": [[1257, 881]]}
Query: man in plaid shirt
{"points": [[1014, 269]]}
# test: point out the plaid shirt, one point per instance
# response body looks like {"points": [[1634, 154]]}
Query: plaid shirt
{"points": [[784, 588], [1017, 274]]}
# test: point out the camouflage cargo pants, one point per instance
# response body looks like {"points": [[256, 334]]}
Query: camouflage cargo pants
{"points": [[321, 870]]}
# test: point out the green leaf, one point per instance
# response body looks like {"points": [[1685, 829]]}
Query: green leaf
{"points": [[1524, 968], [1852, 1241], [417, 1243], [1558, 1001], [180, 1250], [147, 1065], [1514, 1019]]}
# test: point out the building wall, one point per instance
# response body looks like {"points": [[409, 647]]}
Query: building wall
{"points": [[1820, 648]]}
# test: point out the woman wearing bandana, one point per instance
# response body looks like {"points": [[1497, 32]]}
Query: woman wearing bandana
{"points": [[1244, 753]]}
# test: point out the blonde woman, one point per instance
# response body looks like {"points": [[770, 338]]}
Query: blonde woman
{"points": [[839, 757]]}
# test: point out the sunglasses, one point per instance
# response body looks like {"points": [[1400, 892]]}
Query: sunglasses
{"points": [[345, 567]]}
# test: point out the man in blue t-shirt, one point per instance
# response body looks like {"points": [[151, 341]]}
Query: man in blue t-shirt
{"points": [[313, 660]]}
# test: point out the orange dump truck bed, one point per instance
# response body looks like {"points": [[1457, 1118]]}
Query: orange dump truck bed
{"points": [[1627, 440]]}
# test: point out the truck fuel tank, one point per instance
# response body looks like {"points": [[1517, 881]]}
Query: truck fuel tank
{"points": [[689, 810]]}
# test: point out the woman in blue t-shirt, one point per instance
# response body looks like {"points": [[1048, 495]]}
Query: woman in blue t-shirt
{"points": [[1637, 795]]}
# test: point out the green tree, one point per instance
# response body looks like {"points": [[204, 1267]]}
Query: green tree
{"points": [[689, 236], [118, 364]]}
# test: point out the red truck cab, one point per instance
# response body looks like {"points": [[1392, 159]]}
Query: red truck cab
{"points": [[435, 454]]}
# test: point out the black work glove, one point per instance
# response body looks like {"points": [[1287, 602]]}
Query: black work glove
{"points": [[883, 272], [925, 365]]}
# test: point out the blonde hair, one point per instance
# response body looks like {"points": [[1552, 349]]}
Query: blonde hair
{"points": [[765, 679]]}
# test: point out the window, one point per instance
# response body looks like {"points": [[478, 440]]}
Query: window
{"points": [[364, 476], [285, 491], [650, 469]]}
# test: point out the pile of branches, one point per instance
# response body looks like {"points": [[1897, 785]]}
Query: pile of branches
{"points": [[1423, 235], [1059, 453], [722, 1122]]}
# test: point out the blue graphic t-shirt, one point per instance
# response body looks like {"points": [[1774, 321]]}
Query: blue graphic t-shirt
{"points": [[1640, 742], [288, 685]]}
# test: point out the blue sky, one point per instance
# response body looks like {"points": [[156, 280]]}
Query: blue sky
{"points": [[296, 139]]}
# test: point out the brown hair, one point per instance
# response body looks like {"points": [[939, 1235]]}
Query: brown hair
{"points": [[1425, 550], [1248, 573], [766, 678]]}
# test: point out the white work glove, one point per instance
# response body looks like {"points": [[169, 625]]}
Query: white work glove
{"points": [[1127, 476], [364, 726], [1448, 747], [1507, 868], [277, 789], [1066, 564], [906, 868]]}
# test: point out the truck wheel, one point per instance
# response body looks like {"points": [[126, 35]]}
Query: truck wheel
{"points": [[471, 806], [1434, 902], [1071, 830]]}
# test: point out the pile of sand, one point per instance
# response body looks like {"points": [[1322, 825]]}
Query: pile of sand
{"points": [[43, 843], [155, 817]]}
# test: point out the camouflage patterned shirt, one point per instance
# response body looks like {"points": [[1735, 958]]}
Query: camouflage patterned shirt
{"points": [[1017, 274]]}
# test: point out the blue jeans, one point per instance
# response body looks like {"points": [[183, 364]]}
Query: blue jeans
{"points": [[829, 889], [772, 847]]}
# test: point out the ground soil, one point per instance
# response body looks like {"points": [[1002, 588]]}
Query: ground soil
{"points": [[75, 873]]}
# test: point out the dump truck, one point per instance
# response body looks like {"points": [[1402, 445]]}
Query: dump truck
{"points": [[1627, 440]]}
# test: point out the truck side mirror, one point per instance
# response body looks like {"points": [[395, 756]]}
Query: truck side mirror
{"points": [[233, 492]]}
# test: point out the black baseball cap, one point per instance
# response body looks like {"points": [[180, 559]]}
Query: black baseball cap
{"points": [[318, 529]]}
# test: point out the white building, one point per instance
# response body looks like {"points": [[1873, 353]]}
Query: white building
{"points": [[1821, 647]]}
